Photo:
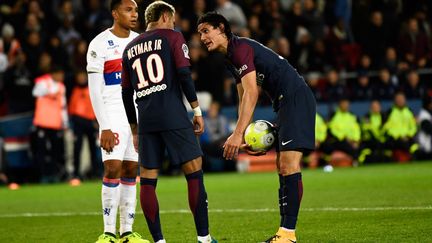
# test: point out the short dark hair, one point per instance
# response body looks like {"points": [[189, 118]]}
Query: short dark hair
{"points": [[214, 19], [114, 4], [155, 10], [55, 68]]}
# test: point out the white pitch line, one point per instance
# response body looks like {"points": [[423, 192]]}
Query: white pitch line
{"points": [[238, 210]]}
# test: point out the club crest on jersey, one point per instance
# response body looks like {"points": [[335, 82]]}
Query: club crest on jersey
{"points": [[110, 42], [93, 54], [185, 51]]}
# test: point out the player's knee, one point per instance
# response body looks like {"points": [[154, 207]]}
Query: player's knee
{"points": [[112, 172], [289, 168], [130, 171], [192, 165]]}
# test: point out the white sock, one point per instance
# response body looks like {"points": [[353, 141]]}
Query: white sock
{"points": [[110, 203], [127, 204], [204, 239], [161, 241]]}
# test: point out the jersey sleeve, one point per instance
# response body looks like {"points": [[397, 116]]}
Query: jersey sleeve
{"points": [[128, 91], [95, 57], [180, 51], [243, 59], [125, 81]]}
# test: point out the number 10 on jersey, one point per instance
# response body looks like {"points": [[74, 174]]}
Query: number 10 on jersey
{"points": [[155, 76]]}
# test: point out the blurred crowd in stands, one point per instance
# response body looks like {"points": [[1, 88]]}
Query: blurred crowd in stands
{"points": [[348, 51]]}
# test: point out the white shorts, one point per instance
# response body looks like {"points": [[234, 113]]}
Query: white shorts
{"points": [[124, 148]]}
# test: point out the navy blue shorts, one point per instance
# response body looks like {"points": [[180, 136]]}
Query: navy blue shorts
{"points": [[296, 121], [182, 146]]}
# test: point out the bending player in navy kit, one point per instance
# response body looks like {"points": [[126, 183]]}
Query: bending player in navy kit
{"points": [[257, 67], [156, 65]]}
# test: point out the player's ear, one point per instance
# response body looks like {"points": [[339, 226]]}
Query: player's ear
{"points": [[114, 14], [221, 28]]}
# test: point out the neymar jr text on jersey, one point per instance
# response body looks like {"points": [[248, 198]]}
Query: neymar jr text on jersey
{"points": [[144, 47]]}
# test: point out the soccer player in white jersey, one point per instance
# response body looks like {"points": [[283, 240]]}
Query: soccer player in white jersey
{"points": [[120, 159]]}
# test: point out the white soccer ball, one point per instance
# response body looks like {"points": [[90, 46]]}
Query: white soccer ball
{"points": [[260, 135]]}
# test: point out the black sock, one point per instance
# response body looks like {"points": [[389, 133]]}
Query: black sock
{"points": [[198, 202], [125, 234], [290, 195], [150, 207], [111, 234], [281, 184]]}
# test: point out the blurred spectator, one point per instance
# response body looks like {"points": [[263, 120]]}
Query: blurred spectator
{"points": [[343, 131], [362, 90], [274, 22], [35, 9], [78, 61], [364, 65], [400, 126], [50, 120], [385, 89], [376, 39], [229, 91], [334, 88], [65, 11], [294, 20], [313, 19], [343, 12], [425, 130], [57, 52], [44, 63], [97, 18], [313, 80], [215, 133], [303, 50], [283, 48], [233, 13], [199, 8], [255, 28], [19, 85], [68, 35], [335, 39], [413, 88], [392, 62], [83, 122], [414, 45], [32, 25], [424, 24], [33, 49], [372, 146], [318, 60], [9, 45]]}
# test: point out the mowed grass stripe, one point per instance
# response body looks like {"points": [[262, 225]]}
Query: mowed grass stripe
{"points": [[237, 210]]}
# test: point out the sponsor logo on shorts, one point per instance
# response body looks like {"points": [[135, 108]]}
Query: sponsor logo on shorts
{"points": [[287, 142]]}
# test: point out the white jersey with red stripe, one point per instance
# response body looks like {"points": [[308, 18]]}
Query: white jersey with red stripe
{"points": [[104, 56]]}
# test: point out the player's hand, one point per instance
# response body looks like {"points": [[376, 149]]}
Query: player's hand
{"points": [[107, 140], [198, 123], [232, 146], [247, 148]]}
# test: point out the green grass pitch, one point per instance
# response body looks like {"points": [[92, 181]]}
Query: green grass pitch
{"points": [[377, 203]]}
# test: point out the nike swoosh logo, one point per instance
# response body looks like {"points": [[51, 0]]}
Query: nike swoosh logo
{"points": [[287, 142]]}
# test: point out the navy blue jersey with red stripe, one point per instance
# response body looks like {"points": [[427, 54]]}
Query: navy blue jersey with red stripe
{"points": [[150, 64], [274, 74]]}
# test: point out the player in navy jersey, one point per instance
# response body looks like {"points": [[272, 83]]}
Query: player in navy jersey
{"points": [[156, 65], [257, 68]]}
